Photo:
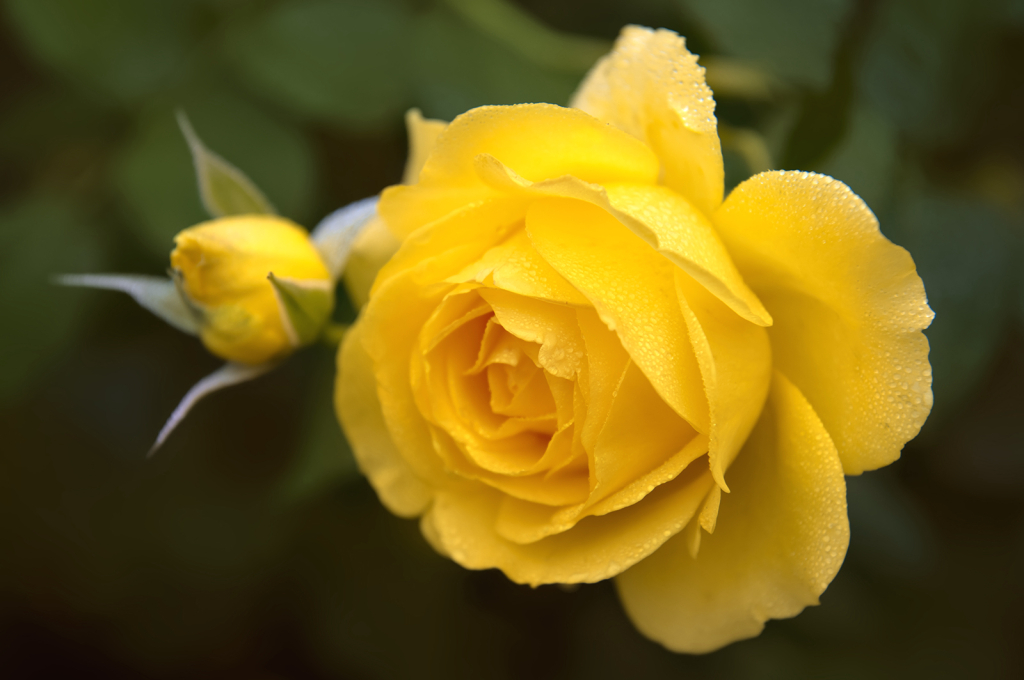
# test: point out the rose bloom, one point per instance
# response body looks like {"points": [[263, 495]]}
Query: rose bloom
{"points": [[581, 363]]}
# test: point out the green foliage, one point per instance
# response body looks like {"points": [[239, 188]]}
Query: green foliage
{"points": [[40, 237], [967, 255], [887, 521], [322, 459], [361, 64], [530, 38], [795, 39], [927, 66], [867, 157], [346, 62], [448, 82], [127, 49]]}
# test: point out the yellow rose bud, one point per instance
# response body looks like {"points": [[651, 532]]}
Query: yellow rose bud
{"points": [[582, 363], [224, 268]]}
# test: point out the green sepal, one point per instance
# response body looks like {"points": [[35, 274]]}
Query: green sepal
{"points": [[224, 189], [305, 307], [227, 375], [163, 297], [197, 310]]}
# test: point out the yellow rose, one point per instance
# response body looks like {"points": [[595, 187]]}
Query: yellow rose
{"points": [[579, 346], [242, 274]]}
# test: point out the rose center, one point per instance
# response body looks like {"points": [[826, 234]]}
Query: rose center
{"points": [[497, 412]]}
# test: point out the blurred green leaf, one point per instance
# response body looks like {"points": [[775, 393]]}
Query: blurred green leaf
{"points": [[795, 39], [45, 120], [965, 253], [155, 176], [1015, 12], [866, 157], [368, 579], [927, 64], [888, 532], [531, 38], [323, 459], [124, 47], [346, 61], [39, 238], [779, 126], [449, 82]]}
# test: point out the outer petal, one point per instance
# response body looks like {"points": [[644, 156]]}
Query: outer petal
{"points": [[423, 134], [735, 361], [780, 539], [359, 410], [524, 522], [480, 225], [538, 141], [666, 221], [461, 523], [848, 307], [374, 245], [651, 87]]}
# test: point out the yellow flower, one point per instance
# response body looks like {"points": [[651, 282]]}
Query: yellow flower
{"points": [[579, 347], [243, 274]]}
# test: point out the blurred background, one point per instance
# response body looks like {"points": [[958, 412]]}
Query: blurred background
{"points": [[250, 547]]}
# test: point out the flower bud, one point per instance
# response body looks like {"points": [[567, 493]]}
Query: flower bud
{"points": [[257, 282]]}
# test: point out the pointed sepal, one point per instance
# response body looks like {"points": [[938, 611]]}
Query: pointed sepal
{"points": [[336, 233], [305, 306], [225, 376], [157, 294], [224, 189]]}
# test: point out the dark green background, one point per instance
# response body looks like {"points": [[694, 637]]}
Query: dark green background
{"points": [[250, 547]]}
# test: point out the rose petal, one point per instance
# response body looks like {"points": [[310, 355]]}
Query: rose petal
{"points": [[463, 520], [639, 434], [553, 327], [572, 143], [735, 360], [405, 294], [659, 216], [633, 291], [374, 245], [606, 362], [651, 87], [781, 537], [848, 305], [686, 237], [516, 266], [359, 411], [472, 230], [524, 522], [563, 487], [423, 134]]}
